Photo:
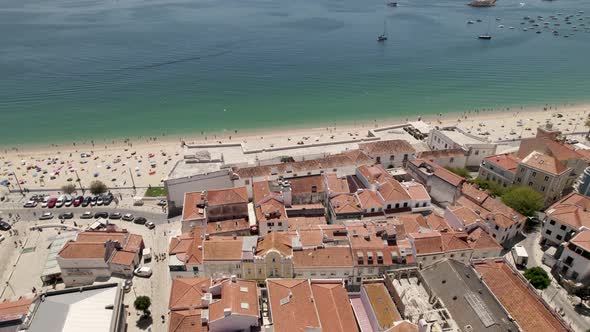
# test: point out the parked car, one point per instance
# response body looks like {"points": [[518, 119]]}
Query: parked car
{"points": [[51, 202], [150, 225], [94, 200], [30, 204], [69, 200], [144, 271], [60, 201], [4, 225], [140, 220], [127, 217], [104, 215], [115, 215], [2, 238], [66, 215], [127, 286], [107, 200], [99, 201], [46, 216], [78, 201], [87, 200], [45, 201], [162, 202], [87, 215]]}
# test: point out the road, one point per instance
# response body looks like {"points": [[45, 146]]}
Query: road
{"points": [[555, 295]]}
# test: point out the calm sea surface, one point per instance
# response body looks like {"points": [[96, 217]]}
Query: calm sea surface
{"points": [[81, 69]]}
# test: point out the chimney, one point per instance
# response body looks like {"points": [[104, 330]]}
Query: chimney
{"points": [[233, 278], [226, 312]]}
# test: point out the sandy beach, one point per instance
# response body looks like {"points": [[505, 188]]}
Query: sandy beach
{"points": [[148, 161]]}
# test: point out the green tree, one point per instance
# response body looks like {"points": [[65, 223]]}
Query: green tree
{"points": [[537, 277], [97, 187], [143, 303], [523, 199], [68, 189], [463, 172], [492, 187]]}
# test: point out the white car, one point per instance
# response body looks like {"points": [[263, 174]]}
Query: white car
{"points": [[60, 201], [30, 204], [46, 216], [69, 200], [2, 237], [45, 201], [150, 225], [144, 271]]}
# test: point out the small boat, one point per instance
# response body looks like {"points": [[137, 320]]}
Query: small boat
{"points": [[500, 26], [538, 32], [478, 20], [382, 37], [485, 37], [470, 22], [525, 29], [511, 28], [392, 4]]}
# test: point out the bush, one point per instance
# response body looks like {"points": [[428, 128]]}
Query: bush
{"points": [[68, 189], [537, 277], [155, 192], [97, 187], [523, 199], [492, 187], [463, 172], [142, 303]]}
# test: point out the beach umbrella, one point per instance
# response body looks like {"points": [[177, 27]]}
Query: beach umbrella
{"points": [[34, 175]]}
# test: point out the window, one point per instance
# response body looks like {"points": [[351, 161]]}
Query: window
{"points": [[445, 145], [552, 222], [247, 182], [451, 160], [417, 204], [406, 204], [534, 174], [548, 232], [271, 224], [543, 188], [559, 237], [476, 152], [195, 269], [280, 223], [497, 227], [273, 260], [392, 158], [397, 205], [358, 279], [546, 178], [378, 159], [424, 204], [569, 260], [563, 227], [522, 170], [406, 156], [519, 180]]}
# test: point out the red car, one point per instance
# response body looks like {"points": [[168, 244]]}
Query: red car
{"points": [[78, 201], [51, 202]]}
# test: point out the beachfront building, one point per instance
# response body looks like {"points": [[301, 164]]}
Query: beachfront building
{"points": [[500, 168], [564, 219], [442, 185], [389, 154], [476, 147], [211, 206], [446, 158], [98, 255]]}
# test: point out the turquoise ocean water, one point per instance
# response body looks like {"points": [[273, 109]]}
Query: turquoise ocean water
{"points": [[83, 69]]}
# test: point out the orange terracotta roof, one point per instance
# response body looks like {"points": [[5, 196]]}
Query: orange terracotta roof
{"points": [[427, 243], [392, 191], [226, 226], [465, 214], [323, 257], [559, 150], [391, 147], [335, 184], [186, 321], [277, 241], [478, 239], [508, 162], [464, 201], [495, 205], [290, 307], [572, 210], [454, 241], [190, 210], [544, 163], [311, 237], [305, 184], [412, 222], [520, 302], [81, 250], [333, 307], [582, 240], [235, 195], [403, 326], [437, 223], [439, 171], [374, 173], [472, 192], [271, 209], [122, 257], [220, 248], [304, 222], [369, 199], [187, 292], [241, 297], [501, 220], [416, 191], [13, 310], [134, 243], [187, 247], [345, 203], [382, 305], [102, 236]]}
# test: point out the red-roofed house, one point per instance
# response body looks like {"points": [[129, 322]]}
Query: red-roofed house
{"points": [[443, 185], [290, 307], [564, 218], [99, 254], [499, 168], [200, 208], [390, 153], [574, 262], [186, 254], [431, 247]]}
